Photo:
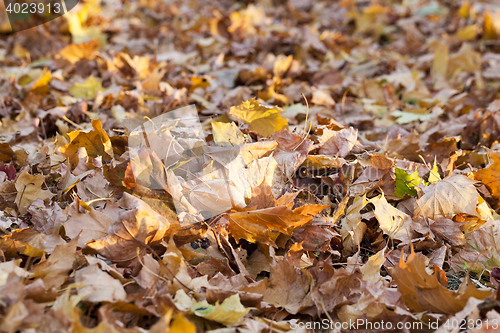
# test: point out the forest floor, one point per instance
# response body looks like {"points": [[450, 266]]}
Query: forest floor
{"points": [[332, 165]]}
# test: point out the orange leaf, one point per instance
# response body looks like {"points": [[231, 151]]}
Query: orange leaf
{"points": [[490, 176], [422, 291], [259, 225]]}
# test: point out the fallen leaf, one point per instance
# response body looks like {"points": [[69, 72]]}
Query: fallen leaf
{"points": [[392, 221], [76, 52], [261, 119], [288, 287], [227, 133], [338, 143], [263, 225], [96, 142], [87, 89], [448, 197], [422, 290], [29, 188], [352, 229], [98, 286], [54, 271], [89, 226], [490, 176], [229, 313], [136, 228], [406, 183]]}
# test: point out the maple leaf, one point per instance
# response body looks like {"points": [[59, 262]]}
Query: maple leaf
{"points": [[352, 229], [75, 52], [264, 217], [422, 290], [261, 225], [338, 143], [227, 133], [89, 226], [392, 221], [29, 189], [371, 269], [216, 195], [96, 142], [87, 89], [137, 227], [406, 183], [32, 243], [448, 197], [260, 119], [54, 271], [287, 286], [341, 286], [490, 176], [151, 83], [230, 312], [99, 286]]}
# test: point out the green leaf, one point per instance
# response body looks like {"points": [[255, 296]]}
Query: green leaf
{"points": [[406, 183]]}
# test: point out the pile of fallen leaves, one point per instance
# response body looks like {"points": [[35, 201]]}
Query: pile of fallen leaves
{"points": [[366, 183]]}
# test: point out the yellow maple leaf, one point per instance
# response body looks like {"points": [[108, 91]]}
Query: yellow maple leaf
{"points": [[227, 133], [261, 119], [229, 313], [87, 89], [95, 142]]}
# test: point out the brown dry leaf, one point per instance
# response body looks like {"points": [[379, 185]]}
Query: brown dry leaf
{"points": [[482, 248], [343, 286], [338, 143], [89, 226], [151, 83], [137, 227], [287, 287], [314, 238], [423, 291], [216, 195], [365, 87], [466, 59], [440, 64], [291, 151], [98, 286], [148, 276], [96, 142], [448, 197], [29, 188], [371, 270], [32, 243], [54, 271]]}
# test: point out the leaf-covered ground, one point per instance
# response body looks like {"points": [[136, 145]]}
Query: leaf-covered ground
{"points": [[366, 183]]}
